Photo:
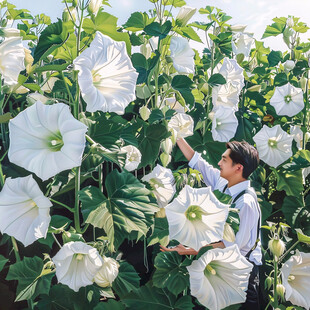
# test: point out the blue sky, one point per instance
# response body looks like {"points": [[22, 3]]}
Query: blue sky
{"points": [[257, 14]]}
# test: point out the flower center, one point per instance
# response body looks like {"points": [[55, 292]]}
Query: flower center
{"points": [[291, 278], [55, 142], [272, 142], [209, 270], [155, 183], [79, 256], [218, 124], [288, 98], [96, 78], [194, 213]]}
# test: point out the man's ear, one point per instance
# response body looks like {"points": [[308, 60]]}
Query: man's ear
{"points": [[239, 168]]}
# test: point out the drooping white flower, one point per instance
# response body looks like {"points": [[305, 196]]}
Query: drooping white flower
{"points": [[224, 124], [287, 100], [242, 43], [274, 145], [238, 28], [46, 139], [163, 184], [77, 264], [133, 157], [167, 145], [196, 217], [229, 234], [94, 6], [184, 15], [219, 278], [182, 55], [296, 278], [175, 105], [181, 125], [298, 135], [106, 75], [12, 57], [24, 210], [289, 65], [225, 95], [108, 272]]}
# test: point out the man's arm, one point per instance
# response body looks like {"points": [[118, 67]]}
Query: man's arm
{"points": [[187, 151]]}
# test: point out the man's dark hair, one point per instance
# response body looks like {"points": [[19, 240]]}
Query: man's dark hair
{"points": [[245, 154]]}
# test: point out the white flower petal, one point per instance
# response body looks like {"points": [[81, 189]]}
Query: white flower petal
{"points": [[182, 55], [242, 43], [46, 139], [298, 135], [182, 124], [24, 210], [274, 145], [229, 282], [106, 75], [296, 278], [77, 264], [108, 272], [196, 232], [287, 100], [133, 157], [224, 124], [184, 15], [12, 56]]}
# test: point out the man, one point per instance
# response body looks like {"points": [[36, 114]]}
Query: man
{"points": [[237, 163]]}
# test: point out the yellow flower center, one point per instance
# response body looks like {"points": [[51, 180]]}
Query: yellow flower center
{"points": [[55, 142], [79, 256], [291, 278], [272, 142], [209, 270], [194, 213]]}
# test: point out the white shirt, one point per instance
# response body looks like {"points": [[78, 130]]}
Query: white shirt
{"points": [[248, 207]]}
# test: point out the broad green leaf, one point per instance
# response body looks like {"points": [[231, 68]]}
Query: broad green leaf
{"points": [[149, 142], [5, 118], [52, 67], [274, 57], [273, 30], [126, 281], [3, 261], [157, 30], [160, 233], [128, 206], [184, 84], [137, 21], [152, 298], [110, 304], [216, 79], [50, 39], [280, 79], [31, 279], [302, 237], [300, 160], [290, 182], [170, 273], [174, 3], [189, 32]]}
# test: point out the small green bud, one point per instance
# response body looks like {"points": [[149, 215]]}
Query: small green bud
{"points": [[268, 282], [144, 112], [281, 291], [276, 246]]}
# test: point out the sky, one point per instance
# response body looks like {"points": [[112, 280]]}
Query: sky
{"points": [[257, 14]]}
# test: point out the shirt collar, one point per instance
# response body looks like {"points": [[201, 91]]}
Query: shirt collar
{"points": [[236, 189]]}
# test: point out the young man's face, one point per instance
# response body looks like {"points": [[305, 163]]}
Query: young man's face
{"points": [[227, 167]]}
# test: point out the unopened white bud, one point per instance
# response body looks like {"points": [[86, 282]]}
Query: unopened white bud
{"points": [[144, 112]]}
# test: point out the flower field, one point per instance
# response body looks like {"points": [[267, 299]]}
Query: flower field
{"points": [[93, 185]]}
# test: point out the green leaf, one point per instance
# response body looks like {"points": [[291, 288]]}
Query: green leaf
{"points": [[274, 57], [302, 237], [157, 30], [216, 79], [31, 281], [3, 261], [160, 233], [290, 182], [50, 39], [184, 84], [280, 79], [52, 67], [126, 281], [189, 32], [149, 142], [110, 304], [5, 118], [170, 273], [152, 298], [273, 30], [174, 3], [128, 206], [137, 21], [58, 224]]}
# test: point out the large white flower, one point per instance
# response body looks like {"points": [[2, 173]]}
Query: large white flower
{"points": [[219, 278], [274, 145], [296, 278], [242, 43], [162, 181], [181, 125], [12, 56], [184, 15], [77, 264], [182, 55], [106, 75], [108, 272], [287, 100], [196, 217], [46, 139], [133, 157], [24, 210], [224, 124]]}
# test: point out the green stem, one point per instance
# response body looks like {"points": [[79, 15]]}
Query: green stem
{"points": [[56, 240], [67, 88], [77, 200], [15, 247], [268, 305], [275, 282], [306, 111], [62, 204], [288, 251], [85, 228], [100, 177]]}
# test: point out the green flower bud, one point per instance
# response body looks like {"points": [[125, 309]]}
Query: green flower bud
{"points": [[281, 291], [144, 112], [276, 246], [268, 282]]}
